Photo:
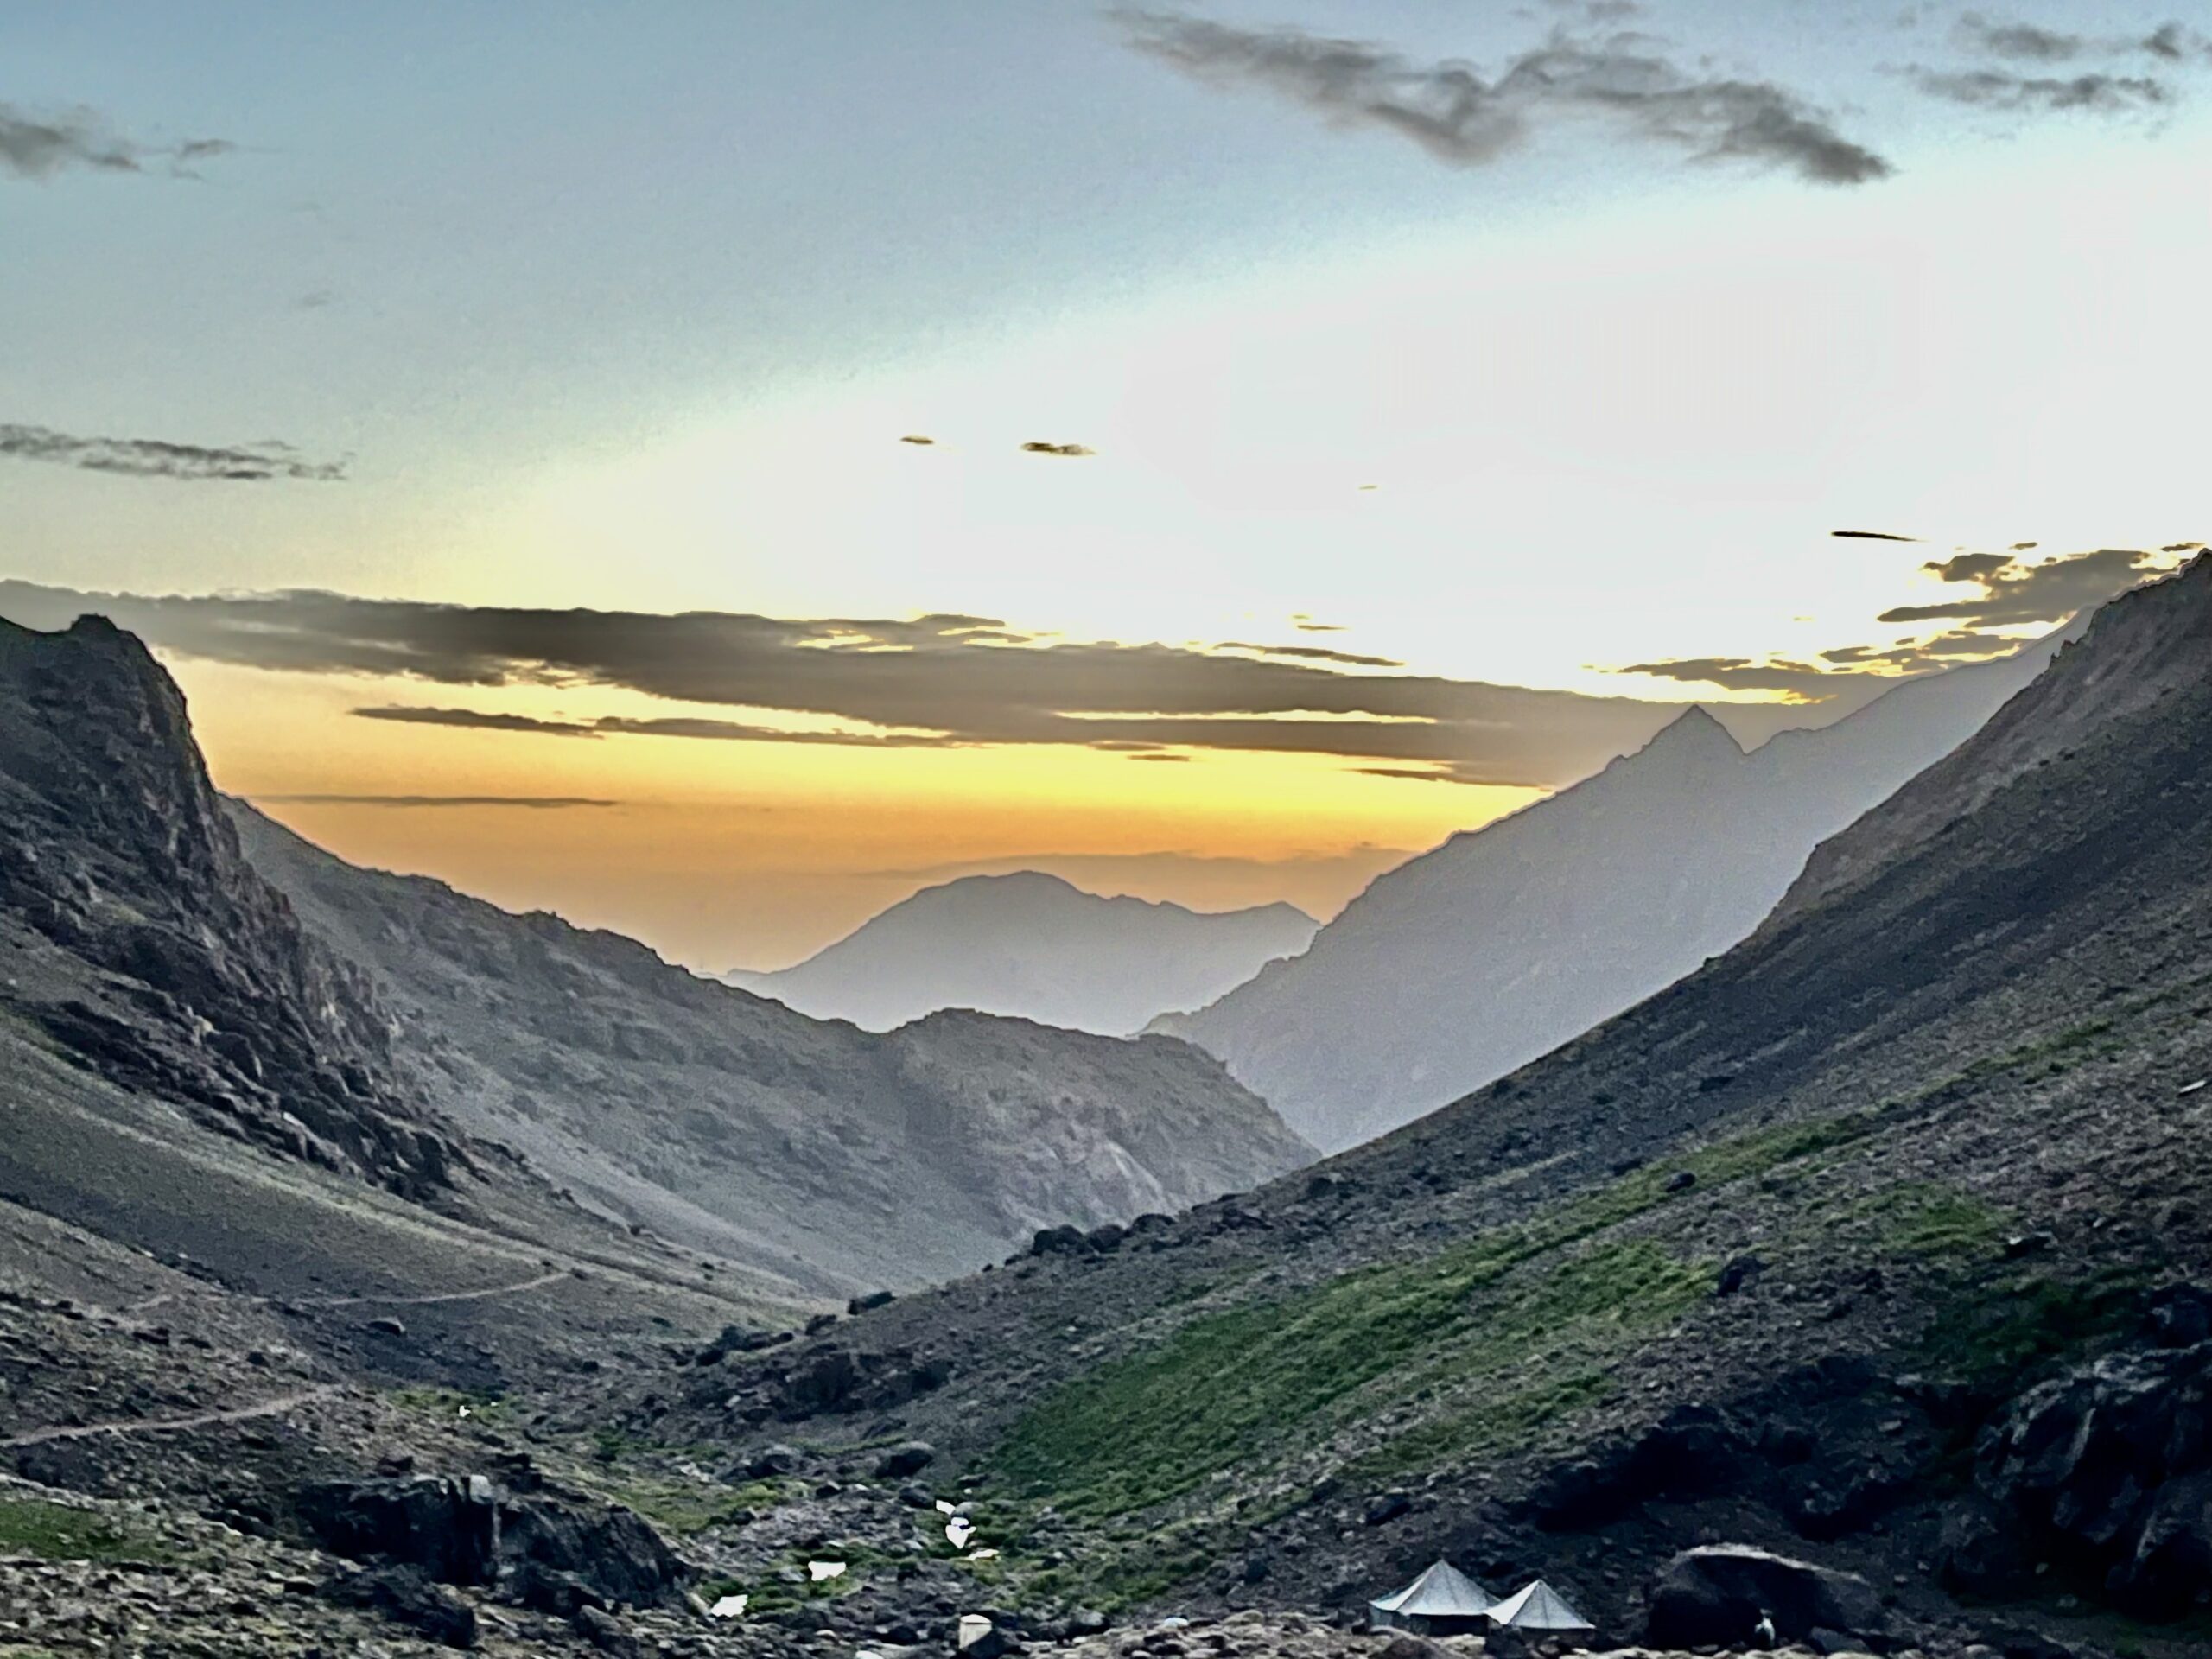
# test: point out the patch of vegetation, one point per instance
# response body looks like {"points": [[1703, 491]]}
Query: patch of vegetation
{"points": [[1507, 1418], [685, 1507], [1928, 1220], [449, 1404], [2003, 1324], [1156, 1425], [54, 1532]]}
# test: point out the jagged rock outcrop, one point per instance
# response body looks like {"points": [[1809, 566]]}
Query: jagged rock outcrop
{"points": [[467, 1530], [2104, 1474], [149, 948], [1717, 1594]]}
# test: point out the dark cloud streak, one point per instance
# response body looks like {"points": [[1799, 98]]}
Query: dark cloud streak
{"points": [[1993, 89], [2015, 594], [253, 463], [927, 681], [1463, 117], [33, 146]]}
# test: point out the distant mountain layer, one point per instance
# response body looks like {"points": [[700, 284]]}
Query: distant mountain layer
{"points": [[1031, 946], [244, 986], [843, 1159], [1505, 942]]}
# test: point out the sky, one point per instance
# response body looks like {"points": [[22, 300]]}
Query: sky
{"points": [[708, 470]]}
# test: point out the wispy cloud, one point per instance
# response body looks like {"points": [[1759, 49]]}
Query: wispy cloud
{"points": [[39, 147], [1313, 654], [1870, 535], [251, 463], [2031, 43], [1994, 89], [2021, 67], [668, 726], [534, 802], [1464, 117]]}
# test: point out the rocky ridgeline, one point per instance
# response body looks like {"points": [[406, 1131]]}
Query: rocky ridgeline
{"points": [[203, 987]]}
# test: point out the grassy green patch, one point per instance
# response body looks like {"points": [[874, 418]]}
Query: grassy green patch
{"points": [[1157, 1424], [2002, 1323], [1925, 1218], [449, 1404], [684, 1507], [1508, 1417], [54, 1532]]}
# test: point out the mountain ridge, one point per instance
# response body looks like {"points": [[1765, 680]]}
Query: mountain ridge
{"points": [[1504, 941], [1033, 945], [728, 1122]]}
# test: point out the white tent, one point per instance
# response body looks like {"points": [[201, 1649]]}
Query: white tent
{"points": [[1538, 1607], [1440, 1602]]}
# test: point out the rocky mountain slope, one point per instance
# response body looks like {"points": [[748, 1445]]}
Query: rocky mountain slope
{"points": [[291, 1359], [1878, 1244], [137, 936], [841, 1160], [1031, 946], [1506, 941]]}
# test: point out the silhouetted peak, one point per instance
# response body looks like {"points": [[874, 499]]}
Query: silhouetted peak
{"points": [[1692, 736]]}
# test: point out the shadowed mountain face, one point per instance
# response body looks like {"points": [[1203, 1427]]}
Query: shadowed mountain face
{"points": [[1034, 946], [839, 1159], [137, 936], [1879, 1241], [1505, 942]]}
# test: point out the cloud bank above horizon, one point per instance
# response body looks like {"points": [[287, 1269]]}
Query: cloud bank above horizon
{"points": [[950, 680]]}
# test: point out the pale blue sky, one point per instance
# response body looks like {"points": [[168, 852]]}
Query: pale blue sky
{"points": [[628, 308]]}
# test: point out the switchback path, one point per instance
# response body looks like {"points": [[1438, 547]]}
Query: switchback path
{"points": [[276, 1408], [430, 1300]]}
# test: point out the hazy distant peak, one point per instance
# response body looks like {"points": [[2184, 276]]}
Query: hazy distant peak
{"points": [[1039, 882], [1043, 888], [1033, 945], [1695, 734]]}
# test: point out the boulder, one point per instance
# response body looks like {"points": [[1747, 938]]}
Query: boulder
{"points": [[908, 1458], [1058, 1241], [405, 1596], [427, 1522], [2178, 1316], [547, 1590], [600, 1628], [1387, 1507], [2171, 1565], [1980, 1551], [772, 1460], [1716, 1594], [611, 1550]]}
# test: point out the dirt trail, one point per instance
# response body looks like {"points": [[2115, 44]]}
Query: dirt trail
{"points": [[432, 1300], [276, 1408]]}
